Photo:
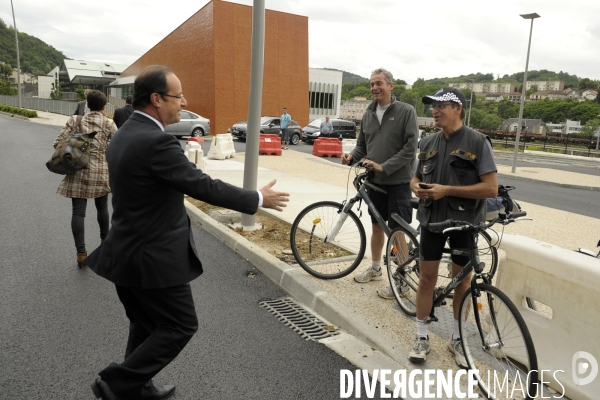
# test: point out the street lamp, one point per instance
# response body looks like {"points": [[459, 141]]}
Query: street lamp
{"points": [[531, 16], [18, 62], [470, 103]]}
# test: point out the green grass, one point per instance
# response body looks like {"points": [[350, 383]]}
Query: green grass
{"points": [[18, 111]]}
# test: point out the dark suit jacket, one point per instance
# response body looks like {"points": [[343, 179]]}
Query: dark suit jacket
{"points": [[122, 114], [80, 110], [150, 243]]}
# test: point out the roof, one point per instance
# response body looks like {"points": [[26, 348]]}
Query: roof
{"points": [[493, 95], [91, 70], [531, 125]]}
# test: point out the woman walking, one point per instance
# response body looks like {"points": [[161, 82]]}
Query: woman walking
{"points": [[92, 182]]}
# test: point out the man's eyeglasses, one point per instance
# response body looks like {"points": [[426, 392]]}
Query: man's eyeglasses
{"points": [[170, 95], [440, 106]]}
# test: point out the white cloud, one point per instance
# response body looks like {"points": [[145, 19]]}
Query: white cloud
{"points": [[412, 39]]}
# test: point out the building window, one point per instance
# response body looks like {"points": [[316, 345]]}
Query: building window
{"points": [[321, 100]]}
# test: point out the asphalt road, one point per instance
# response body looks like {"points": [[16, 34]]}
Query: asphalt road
{"points": [[578, 201], [60, 325]]}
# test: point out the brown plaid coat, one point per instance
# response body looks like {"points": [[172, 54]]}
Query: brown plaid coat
{"points": [[91, 182]]}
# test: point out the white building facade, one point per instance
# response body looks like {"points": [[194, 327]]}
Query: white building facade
{"points": [[325, 93]]}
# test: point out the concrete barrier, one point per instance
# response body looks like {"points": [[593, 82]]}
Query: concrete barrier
{"points": [[348, 145], [565, 286], [221, 147], [194, 153]]}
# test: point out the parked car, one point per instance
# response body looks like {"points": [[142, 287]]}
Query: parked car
{"points": [[190, 124], [267, 125], [341, 129]]}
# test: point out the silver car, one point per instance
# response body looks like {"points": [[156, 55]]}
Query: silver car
{"points": [[190, 124]]}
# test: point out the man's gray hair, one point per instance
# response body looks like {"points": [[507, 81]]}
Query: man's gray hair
{"points": [[388, 75]]}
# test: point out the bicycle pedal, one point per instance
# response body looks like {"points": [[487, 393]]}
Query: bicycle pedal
{"points": [[430, 319], [443, 303]]}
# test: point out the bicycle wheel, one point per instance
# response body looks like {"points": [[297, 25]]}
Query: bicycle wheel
{"points": [[332, 258], [507, 349], [486, 253], [402, 262]]}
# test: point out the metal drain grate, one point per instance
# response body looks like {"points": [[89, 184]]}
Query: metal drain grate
{"points": [[303, 322]]}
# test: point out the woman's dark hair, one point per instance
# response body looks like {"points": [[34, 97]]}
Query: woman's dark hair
{"points": [[96, 100], [151, 80]]}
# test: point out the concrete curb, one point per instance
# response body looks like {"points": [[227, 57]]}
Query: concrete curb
{"points": [[302, 288], [14, 116], [565, 185]]}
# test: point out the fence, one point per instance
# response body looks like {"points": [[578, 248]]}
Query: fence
{"points": [[53, 106], [542, 145]]}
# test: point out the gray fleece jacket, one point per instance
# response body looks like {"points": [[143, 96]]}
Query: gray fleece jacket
{"points": [[392, 144]]}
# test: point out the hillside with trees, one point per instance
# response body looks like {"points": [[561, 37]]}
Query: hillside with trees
{"points": [[37, 57]]}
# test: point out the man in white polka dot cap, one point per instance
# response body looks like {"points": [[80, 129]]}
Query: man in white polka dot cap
{"points": [[457, 166]]}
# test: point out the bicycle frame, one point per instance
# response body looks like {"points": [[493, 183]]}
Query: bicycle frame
{"points": [[361, 195]]}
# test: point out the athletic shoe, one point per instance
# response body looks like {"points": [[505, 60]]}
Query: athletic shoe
{"points": [[419, 351], [455, 346], [388, 294], [369, 275]]}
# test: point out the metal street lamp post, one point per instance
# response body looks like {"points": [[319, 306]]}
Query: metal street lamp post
{"points": [[255, 104], [531, 16], [470, 103], [18, 58]]}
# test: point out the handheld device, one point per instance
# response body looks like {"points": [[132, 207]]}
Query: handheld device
{"points": [[424, 185]]}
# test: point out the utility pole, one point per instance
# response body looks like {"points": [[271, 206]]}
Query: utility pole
{"points": [[18, 59]]}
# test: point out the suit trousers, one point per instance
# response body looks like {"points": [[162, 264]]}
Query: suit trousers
{"points": [[162, 322]]}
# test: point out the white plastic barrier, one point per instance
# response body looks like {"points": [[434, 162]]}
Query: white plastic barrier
{"points": [[194, 153], [568, 283], [221, 147], [348, 145]]}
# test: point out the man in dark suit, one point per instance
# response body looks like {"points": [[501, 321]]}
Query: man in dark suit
{"points": [[123, 113], [82, 105], [149, 253]]}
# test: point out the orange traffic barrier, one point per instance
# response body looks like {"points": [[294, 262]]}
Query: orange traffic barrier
{"points": [[198, 139], [269, 145], [329, 147]]}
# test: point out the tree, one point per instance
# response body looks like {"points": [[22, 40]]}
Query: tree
{"points": [[80, 90], [413, 98], [467, 93], [419, 83], [57, 91], [531, 90], [508, 109], [400, 82], [398, 90], [6, 88], [6, 71], [587, 83], [592, 128], [361, 91]]}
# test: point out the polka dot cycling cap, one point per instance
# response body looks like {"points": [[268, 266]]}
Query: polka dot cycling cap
{"points": [[446, 94]]}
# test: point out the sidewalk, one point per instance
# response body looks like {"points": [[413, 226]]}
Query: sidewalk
{"points": [[356, 307]]}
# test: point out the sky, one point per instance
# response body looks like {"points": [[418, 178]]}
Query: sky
{"points": [[412, 39]]}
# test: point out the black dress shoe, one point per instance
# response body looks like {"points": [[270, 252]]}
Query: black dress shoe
{"points": [[102, 391], [157, 393]]}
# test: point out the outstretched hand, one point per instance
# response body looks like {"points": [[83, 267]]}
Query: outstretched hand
{"points": [[273, 199]]}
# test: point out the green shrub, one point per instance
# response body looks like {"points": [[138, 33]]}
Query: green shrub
{"points": [[18, 111]]}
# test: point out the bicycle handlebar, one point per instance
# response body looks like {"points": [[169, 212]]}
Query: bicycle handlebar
{"points": [[451, 225]]}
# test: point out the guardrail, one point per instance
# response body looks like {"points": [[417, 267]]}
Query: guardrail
{"points": [[563, 285], [543, 147], [53, 106]]}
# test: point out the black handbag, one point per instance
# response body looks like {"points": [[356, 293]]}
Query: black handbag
{"points": [[73, 153]]}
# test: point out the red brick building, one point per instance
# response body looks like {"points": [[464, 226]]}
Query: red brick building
{"points": [[211, 55]]}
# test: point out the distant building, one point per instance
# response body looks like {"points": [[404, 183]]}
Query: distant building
{"points": [[89, 74], [562, 128], [589, 94], [515, 96], [494, 97], [546, 85], [483, 88], [324, 93], [536, 126], [354, 109]]}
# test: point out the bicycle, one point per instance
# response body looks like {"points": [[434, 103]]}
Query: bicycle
{"points": [[329, 242], [494, 336]]}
